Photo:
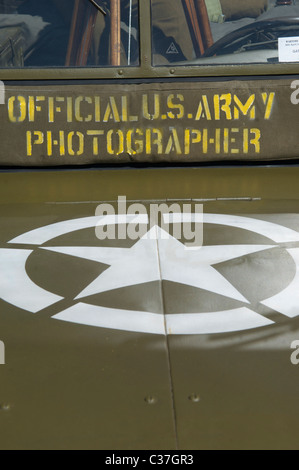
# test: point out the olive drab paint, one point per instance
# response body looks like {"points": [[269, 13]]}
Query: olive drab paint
{"points": [[197, 122], [200, 348], [253, 379]]}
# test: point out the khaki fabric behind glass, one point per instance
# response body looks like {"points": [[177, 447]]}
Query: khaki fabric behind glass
{"points": [[170, 20], [171, 36], [236, 9]]}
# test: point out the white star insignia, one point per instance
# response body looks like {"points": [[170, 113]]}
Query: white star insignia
{"points": [[159, 256]]}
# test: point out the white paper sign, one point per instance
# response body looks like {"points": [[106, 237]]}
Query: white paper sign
{"points": [[288, 49]]}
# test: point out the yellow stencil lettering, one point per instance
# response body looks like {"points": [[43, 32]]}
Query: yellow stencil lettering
{"points": [[245, 141], [247, 108], [192, 136], [177, 106], [17, 109], [156, 107], [268, 99], [255, 141], [205, 141], [95, 141], [33, 138], [225, 107], [51, 109], [33, 107], [61, 143], [226, 140], [111, 112], [139, 142], [78, 109], [124, 109], [233, 140], [203, 111], [119, 148], [69, 109], [173, 143], [97, 109], [130, 149], [70, 142], [156, 139]]}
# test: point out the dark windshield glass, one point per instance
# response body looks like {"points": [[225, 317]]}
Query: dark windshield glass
{"points": [[48, 33], [207, 32]]}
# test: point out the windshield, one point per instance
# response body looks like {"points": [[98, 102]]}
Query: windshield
{"points": [[105, 33], [207, 32], [47, 33]]}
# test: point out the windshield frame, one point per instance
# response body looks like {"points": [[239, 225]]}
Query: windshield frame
{"points": [[145, 70]]}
